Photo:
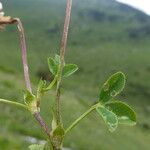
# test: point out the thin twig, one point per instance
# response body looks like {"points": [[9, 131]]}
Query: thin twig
{"points": [[62, 56], [8, 20], [65, 32], [26, 74], [24, 54]]}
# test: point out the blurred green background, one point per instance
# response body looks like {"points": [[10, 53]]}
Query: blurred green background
{"points": [[105, 37]]}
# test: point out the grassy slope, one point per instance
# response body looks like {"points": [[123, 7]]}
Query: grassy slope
{"points": [[100, 43]]}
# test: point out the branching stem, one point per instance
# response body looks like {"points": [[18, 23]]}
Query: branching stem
{"points": [[42, 124], [26, 74]]}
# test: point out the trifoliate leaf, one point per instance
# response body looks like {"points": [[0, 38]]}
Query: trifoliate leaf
{"points": [[53, 66], [112, 87], [109, 118], [125, 113], [36, 147], [69, 69]]}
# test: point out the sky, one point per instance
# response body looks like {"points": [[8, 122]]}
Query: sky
{"points": [[143, 5]]}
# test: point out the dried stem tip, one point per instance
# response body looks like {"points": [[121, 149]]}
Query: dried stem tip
{"points": [[4, 20]]}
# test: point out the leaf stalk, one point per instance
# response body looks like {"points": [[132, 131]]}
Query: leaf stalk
{"points": [[14, 103], [81, 117]]}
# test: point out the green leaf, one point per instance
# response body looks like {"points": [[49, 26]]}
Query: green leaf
{"points": [[69, 69], [48, 146], [112, 87], [57, 59], [41, 87], [58, 131], [125, 113], [36, 147], [58, 136], [28, 97], [109, 118], [31, 102], [53, 66]]}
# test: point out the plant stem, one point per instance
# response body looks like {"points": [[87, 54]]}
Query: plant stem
{"points": [[81, 117], [36, 115], [65, 31], [62, 56], [26, 74], [10, 20], [13, 103], [24, 54], [42, 124]]}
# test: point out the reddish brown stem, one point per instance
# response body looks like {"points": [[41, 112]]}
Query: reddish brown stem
{"points": [[62, 55], [65, 31], [42, 124], [26, 74], [24, 54], [8, 20]]}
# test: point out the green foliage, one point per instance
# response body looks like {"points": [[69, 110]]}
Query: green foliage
{"points": [[112, 87], [57, 59], [125, 113], [53, 66], [109, 117], [36, 147], [54, 121], [111, 113], [41, 88], [31, 102], [114, 112], [45, 146], [69, 69], [29, 98], [48, 146], [58, 136]]}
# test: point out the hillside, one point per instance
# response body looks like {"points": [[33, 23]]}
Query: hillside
{"points": [[105, 36]]}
